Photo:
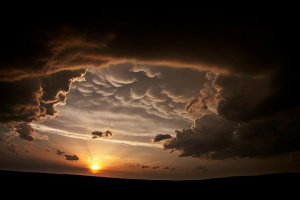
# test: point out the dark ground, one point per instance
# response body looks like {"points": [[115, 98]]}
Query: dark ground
{"points": [[42, 185]]}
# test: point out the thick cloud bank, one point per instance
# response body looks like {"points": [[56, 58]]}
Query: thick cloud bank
{"points": [[244, 125], [247, 106]]}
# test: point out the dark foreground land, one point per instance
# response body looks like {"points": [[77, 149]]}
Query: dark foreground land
{"points": [[285, 185]]}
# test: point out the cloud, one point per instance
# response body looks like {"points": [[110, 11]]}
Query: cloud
{"points": [[56, 45], [149, 167], [67, 156], [248, 116], [208, 134], [71, 157], [59, 152], [33, 99], [160, 137], [201, 105], [66, 46], [215, 137], [170, 168], [25, 131], [6, 139], [253, 56], [162, 96], [11, 146], [240, 98], [96, 134]]}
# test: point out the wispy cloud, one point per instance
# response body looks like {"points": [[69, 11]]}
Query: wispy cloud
{"points": [[50, 130]]}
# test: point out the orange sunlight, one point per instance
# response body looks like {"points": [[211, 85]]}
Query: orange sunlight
{"points": [[95, 168]]}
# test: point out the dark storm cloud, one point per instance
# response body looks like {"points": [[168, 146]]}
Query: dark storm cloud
{"points": [[215, 137], [160, 137], [71, 157], [32, 49], [260, 113], [255, 52], [200, 105], [241, 43], [243, 98], [7, 139], [11, 146], [25, 131], [208, 134], [32, 99]]}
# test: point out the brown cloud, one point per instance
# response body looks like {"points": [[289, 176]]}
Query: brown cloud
{"points": [[25, 131], [59, 152], [71, 157], [40, 60], [215, 137], [97, 134], [243, 44], [32, 99], [11, 146], [160, 137]]}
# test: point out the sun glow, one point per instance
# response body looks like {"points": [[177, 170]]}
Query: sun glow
{"points": [[95, 168]]}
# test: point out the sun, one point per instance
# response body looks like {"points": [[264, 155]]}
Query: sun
{"points": [[95, 168]]}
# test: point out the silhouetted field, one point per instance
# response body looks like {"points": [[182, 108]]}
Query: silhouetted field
{"points": [[285, 185]]}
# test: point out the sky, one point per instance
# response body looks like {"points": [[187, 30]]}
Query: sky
{"points": [[172, 96]]}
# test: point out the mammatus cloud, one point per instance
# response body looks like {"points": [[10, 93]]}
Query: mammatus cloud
{"points": [[257, 59], [160, 137], [39, 62], [152, 92]]}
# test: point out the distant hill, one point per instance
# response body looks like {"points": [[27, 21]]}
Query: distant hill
{"points": [[271, 185]]}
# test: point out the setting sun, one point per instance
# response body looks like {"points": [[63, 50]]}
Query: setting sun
{"points": [[95, 167]]}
